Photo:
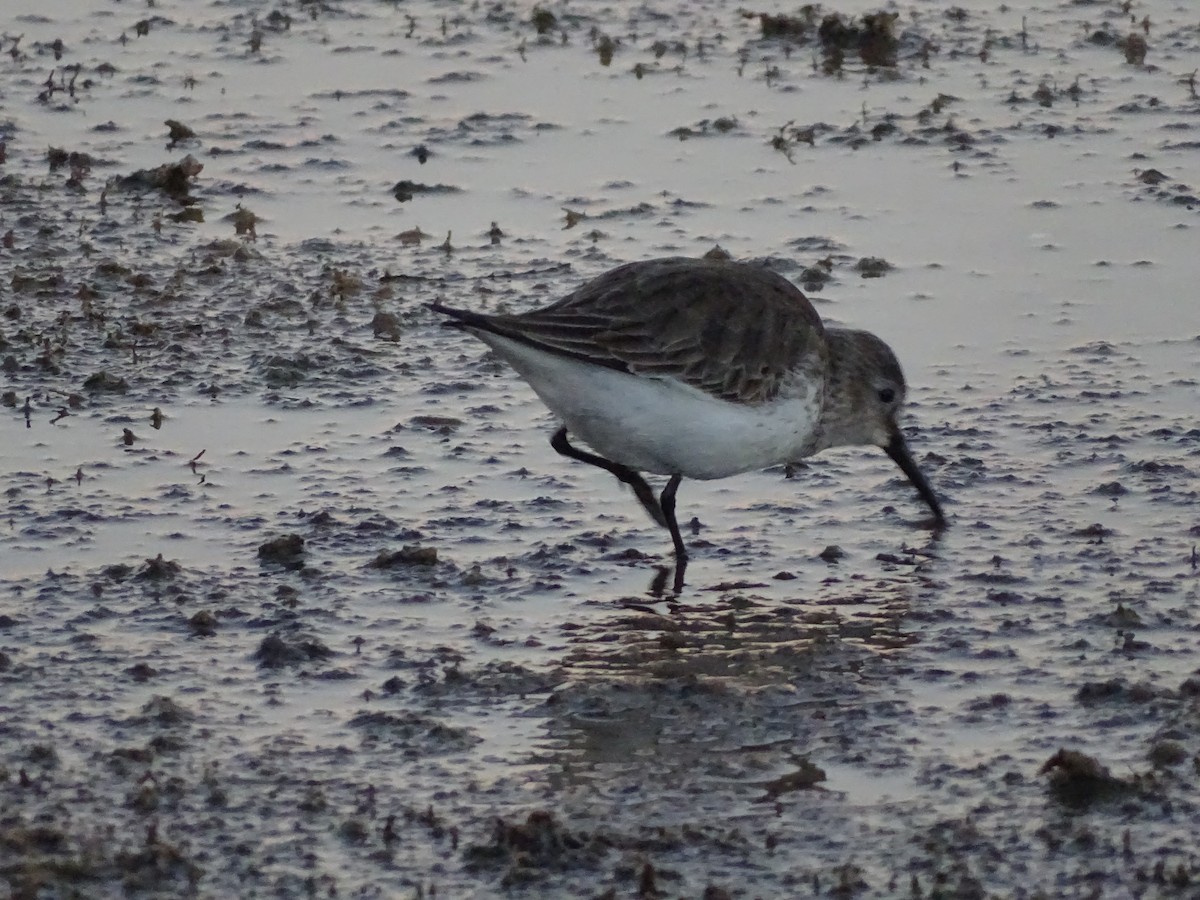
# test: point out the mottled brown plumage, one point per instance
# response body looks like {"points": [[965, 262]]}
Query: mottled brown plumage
{"points": [[671, 318]]}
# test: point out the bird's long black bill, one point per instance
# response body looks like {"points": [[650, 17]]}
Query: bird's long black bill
{"points": [[897, 449]]}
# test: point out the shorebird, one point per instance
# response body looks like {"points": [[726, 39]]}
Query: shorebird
{"points": [[700, 368]]}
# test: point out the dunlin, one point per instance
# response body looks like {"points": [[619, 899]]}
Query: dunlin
{"points": [[699, 368]]}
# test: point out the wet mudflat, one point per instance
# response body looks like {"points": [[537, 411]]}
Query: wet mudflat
{"points": [[297, 600]]}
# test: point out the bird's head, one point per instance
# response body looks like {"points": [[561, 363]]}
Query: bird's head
{"points": [[865, 402]]}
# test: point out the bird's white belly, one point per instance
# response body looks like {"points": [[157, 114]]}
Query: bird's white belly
{"points": [[661, 425]]}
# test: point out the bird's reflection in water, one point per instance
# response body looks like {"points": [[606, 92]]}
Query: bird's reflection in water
{"points": [[727, 685]]}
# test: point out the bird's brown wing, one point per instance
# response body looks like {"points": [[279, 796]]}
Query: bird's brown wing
{"points": [[734, 330]]}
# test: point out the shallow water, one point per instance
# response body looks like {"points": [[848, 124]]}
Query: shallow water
{"points": [[1040, 296]]}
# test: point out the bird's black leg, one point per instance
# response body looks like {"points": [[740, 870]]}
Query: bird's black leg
{"points": [[641, 490], [667, 502]]}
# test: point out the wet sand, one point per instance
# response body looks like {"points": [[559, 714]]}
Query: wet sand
{"points": [[297, 600]]}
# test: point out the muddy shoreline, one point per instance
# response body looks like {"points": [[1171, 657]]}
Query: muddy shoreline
{"points": [[296, 600]]}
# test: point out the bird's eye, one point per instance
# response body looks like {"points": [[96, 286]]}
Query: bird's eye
{"points": [[887, 395]]}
